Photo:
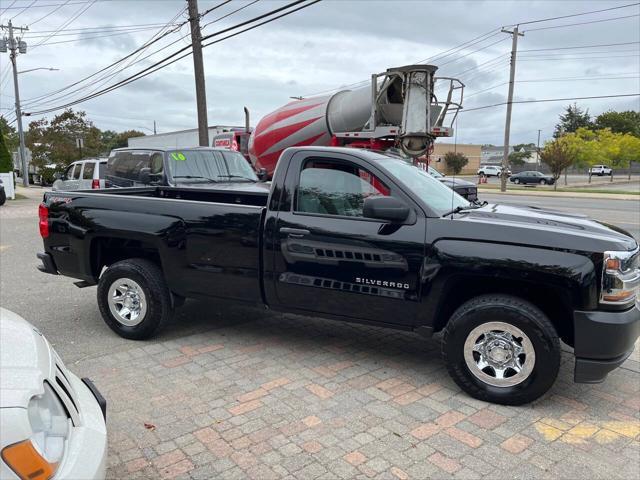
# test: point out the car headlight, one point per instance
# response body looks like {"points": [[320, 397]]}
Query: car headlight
{"points": [[620, 277], [38, 457]]}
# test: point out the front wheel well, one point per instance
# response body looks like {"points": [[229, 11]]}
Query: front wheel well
{"points": [[555, 305]]}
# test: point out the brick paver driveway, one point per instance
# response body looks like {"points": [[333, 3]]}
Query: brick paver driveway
{"points": [[274, 396]]}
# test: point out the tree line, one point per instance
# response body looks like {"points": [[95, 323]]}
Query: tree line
{"points": [[54, 141]]}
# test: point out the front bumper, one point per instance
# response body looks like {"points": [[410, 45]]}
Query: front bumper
{"points": [[603, 341], [86, 454]]}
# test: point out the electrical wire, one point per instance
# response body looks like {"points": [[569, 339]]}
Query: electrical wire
{"points": [[579, 46], [547, 59], [579, 14], [80, 11], [24, 9], [581, 23], [9, 7], [551, 100], [213, 8], [49, 14], [246, 5], [47, 5], [117, 34], [557, 54], [112, 70], [164, 62]]}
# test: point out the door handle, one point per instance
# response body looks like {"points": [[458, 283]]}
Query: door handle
{"points": [[295, 232]]}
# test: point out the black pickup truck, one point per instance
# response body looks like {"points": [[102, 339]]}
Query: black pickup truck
{"points": [[358, 236]]}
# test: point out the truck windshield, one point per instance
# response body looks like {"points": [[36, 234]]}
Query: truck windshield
{"points": [[432, 192], [186, 166]]}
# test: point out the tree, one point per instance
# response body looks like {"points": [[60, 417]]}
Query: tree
{"points": [[518, 157], [10, 135], [558, 155], [6, 164], [110, 139], [55, 141], [570, 121], [455, 161], [619, 122]]}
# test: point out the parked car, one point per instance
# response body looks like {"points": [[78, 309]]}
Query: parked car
{"points": [[492, 171], [3, 194], [464, 188], [532, 177], [52, 423], [358, 236], [132, 167], [86, 174], [600, 170]]}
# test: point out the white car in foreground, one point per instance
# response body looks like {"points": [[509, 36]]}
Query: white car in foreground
{"points": [[52, 424]]}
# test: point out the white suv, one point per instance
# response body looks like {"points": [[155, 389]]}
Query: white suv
{"points": [[600, 170], [491, 171], [83, 175]]}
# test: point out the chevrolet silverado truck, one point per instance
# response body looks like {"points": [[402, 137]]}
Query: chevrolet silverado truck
{"points": [[358, 236]]}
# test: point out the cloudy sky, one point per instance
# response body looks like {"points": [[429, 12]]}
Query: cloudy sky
{"points": [[331, 44]]}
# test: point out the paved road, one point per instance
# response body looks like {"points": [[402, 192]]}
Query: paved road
{"points": [[622, 213], [231, 392], [620, 182]]}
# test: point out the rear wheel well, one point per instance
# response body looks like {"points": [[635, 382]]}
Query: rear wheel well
{"points": [[556, 306], [106, 251]]}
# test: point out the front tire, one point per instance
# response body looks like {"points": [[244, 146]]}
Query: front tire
{"points": [[501, 349], [543, 182], [134, 299], [517, 181]]}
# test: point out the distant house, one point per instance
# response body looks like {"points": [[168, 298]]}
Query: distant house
{"points": [[492, 155]]}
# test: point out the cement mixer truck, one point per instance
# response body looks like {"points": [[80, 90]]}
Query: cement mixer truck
{"points": [[399, 109]]}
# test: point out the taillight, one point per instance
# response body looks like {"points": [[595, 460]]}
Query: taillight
{"points": [[43, 215], [95, 183]]}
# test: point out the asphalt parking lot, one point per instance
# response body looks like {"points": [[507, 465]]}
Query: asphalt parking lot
{"points": [[235, 392]]}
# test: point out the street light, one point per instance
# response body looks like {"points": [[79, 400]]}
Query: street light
{"points": [[51, 69], [147, 128]]}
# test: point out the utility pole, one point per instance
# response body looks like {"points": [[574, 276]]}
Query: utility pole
{"points": [[16, 45], [538, 152], [507, 128], [198, 68], [154, 128]]}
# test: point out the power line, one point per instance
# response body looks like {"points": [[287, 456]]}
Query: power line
{"points": [[49, 14], [579, 14], [551, 100], [116, 34], [94, 30], [80, 11], [161, 64], [5, 9], [24, 9], [547, 59], [543, 80], [45, 6], [582, 23], [111, 70], [141, 48], [246, 5], [597, 52], [581, 46], [214, 8]]}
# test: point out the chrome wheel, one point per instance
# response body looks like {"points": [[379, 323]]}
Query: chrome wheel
{"points": [[127, 302], [499, 354]]}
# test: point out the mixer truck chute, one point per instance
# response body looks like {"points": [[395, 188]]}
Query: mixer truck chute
{"points": [[398, 109]]}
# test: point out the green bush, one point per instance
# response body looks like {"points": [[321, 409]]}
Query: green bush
{"points": [[6, 164], [47, 175]]}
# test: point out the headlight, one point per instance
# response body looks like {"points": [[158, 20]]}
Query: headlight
{"points": [[38, 457], [620, 277]]}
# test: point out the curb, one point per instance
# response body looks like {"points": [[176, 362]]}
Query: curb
{"points": [[603, 196]]}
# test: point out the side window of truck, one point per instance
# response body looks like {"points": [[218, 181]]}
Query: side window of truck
{"points": [[336, 188], [68, 175]]}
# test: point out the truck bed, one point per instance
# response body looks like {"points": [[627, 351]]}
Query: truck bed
{"points": [[208, 239]]}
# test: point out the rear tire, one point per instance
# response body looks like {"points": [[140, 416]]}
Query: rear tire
{"points": [[134, 299], [510, 334]]}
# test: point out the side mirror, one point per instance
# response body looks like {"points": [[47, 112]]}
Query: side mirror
{"points": [[386, 208], [145, 175], [262, 174]]}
